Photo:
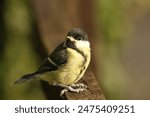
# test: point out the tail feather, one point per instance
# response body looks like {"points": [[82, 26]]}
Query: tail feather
{"points": [[26, 78]]}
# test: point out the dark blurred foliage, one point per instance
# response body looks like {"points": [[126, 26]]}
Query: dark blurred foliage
{"points": [[2, 35], [17, 50]]}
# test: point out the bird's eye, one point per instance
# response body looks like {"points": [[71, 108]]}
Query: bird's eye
{"points": [[79, 38]]}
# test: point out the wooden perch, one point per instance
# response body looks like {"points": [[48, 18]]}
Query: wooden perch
{"points": [[54, 19], [93, 92]]}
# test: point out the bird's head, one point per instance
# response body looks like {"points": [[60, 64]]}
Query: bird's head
{"points": [[78, 38]]}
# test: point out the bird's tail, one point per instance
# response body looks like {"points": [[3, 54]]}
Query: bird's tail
{"points": [[26, 78]]}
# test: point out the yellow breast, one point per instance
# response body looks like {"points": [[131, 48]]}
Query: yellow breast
{"points": [[70, 72]]}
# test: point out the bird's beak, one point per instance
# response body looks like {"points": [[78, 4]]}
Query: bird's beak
{"points": [[71, 39]]}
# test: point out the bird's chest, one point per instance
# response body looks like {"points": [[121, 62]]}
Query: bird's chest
{"points": [[74, 69], [75, 60], [74, 64]]}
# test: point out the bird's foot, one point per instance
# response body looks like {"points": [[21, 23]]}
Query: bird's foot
{"points": [[80, 87]]}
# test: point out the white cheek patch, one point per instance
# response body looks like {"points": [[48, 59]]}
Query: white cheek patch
{"points": [[82, 44]]}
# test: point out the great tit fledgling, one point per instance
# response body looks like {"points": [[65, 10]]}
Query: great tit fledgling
{"points": [[66, 64]]}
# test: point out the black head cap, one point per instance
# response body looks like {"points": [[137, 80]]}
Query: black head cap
{"points": [[78, 34]]}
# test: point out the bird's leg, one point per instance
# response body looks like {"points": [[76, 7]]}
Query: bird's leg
{"points": [[73, 88]]}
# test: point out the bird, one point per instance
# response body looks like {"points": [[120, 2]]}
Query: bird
{"points": [[66, 65]]}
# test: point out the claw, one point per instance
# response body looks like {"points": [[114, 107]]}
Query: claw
{"points": [[63, 91]]}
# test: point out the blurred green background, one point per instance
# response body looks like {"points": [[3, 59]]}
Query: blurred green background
{"points": [[120, 43]]}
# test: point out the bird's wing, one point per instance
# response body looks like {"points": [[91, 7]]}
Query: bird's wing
{"points": [[56, 59]]}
